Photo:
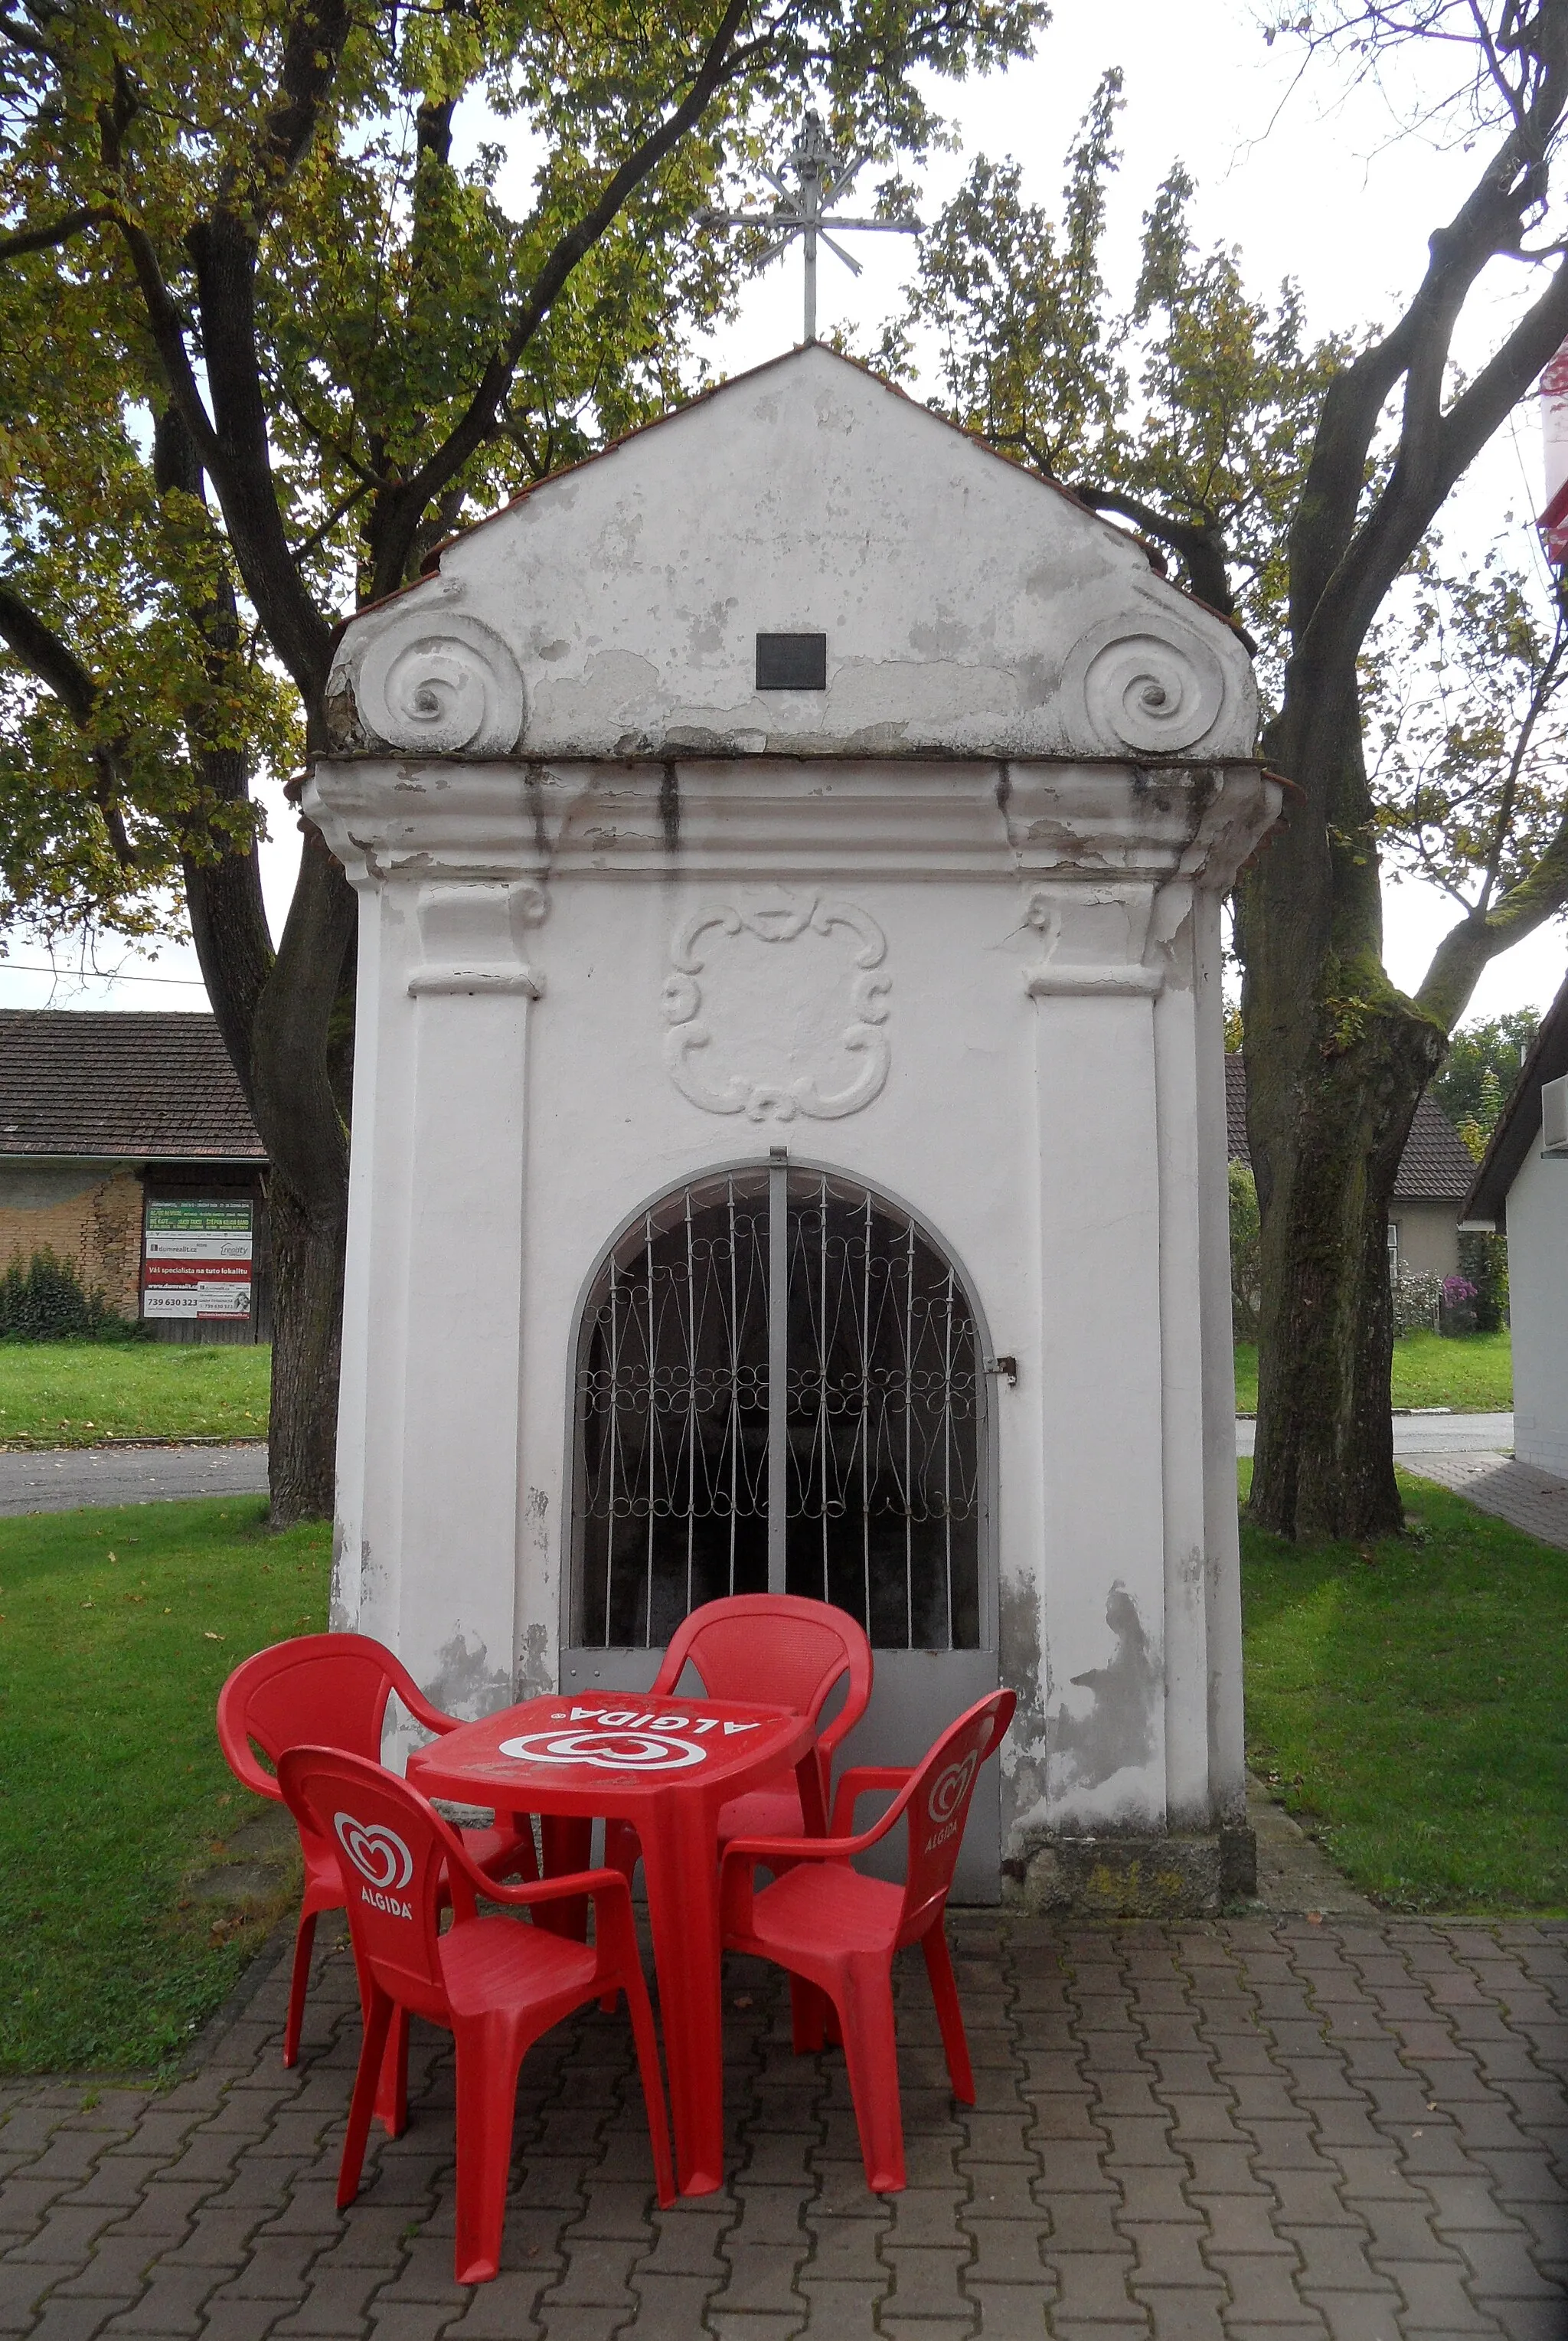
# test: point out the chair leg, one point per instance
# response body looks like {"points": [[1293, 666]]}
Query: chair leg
{"points": [[298, 1984], [621, 1852], [488, 2057], [391, 2082], [949, 2014], [807, 2017], [646, 2047], [865, 2006], [622, 1849], [378, 2025]]}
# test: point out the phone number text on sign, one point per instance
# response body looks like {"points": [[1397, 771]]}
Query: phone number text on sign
{"points": [[621, 1739]]}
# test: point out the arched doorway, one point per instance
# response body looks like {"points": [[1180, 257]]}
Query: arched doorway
{"points": [[779, 1384]]}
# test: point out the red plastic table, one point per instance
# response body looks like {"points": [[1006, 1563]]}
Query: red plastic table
{"points": [[668, 1769]]}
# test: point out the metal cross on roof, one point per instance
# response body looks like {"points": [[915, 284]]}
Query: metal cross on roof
{"points": [[822, 177]]}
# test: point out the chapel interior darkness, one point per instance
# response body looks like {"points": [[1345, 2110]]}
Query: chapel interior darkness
{"points": [[880, 1418]]}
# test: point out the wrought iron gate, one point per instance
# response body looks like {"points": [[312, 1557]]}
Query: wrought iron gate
{"points": [[778, 1386]]}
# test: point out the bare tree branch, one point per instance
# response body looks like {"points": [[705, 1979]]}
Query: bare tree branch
{"points": [[46, 239]]}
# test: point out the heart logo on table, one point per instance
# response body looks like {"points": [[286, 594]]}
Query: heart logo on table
{"points": [[607, 1751], [377, 1852], [950, 1789]]}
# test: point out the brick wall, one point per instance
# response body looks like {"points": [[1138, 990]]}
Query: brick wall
{"points": [[88, 1213]]}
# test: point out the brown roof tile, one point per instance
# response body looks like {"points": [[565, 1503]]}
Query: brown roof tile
{"points": [[1435, 1168], [128, 1086]]}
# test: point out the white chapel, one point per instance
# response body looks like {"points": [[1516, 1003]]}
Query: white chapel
{"points": [[788, 1121]]}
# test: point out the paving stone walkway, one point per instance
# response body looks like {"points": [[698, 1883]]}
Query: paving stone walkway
{"points": [[1266, 2130], [1517, 1492]]}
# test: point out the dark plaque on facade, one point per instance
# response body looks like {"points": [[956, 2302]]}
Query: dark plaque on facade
{"points": [[792, 662]]}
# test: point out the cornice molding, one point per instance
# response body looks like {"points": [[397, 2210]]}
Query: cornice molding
{"points": [[495, 821]]}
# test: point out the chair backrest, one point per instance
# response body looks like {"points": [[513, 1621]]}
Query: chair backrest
{"points": [[394, 1855], [774, 1647], [937, 1802], [325, 1689]]}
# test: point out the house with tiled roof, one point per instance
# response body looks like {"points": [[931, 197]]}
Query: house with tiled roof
{"points": [[127, 1148], [1435, 1175], [1521, 1187]]}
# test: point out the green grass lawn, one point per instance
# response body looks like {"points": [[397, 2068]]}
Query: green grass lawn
{"points": [[1408, 1700], [117, 1630], [1474, 1374], [73, 1393]]}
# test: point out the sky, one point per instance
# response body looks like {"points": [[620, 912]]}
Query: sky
{"points": [[1308, 181]]}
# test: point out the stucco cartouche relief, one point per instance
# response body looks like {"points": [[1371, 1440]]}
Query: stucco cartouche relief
{"points": [[938, 927]]}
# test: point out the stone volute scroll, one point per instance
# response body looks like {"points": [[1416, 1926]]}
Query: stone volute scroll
{"points": [[472, 934], [772, 1037], [429, 680], [1154, 686]]}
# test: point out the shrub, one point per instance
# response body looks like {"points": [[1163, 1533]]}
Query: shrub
{"points": [[1417, 1302], [45, 1301], [1457, 1314], [1246, 1246], [1484, 1263]]}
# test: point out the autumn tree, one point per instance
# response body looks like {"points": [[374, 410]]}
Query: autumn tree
{"points": [[1184, 413], [1296, 486], [270, 323], [1481, 1068], [1337, 1056]]}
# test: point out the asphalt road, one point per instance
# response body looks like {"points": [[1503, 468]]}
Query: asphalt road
{"points": [[1428, 1434], [71, 1479]]}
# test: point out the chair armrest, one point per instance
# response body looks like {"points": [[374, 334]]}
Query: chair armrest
{"points": [[737, 1884], [422, 1712], [843, 1723], [864, 1780], [839, 1844], [753, 1849], [554, 1889], [236, 1744]]}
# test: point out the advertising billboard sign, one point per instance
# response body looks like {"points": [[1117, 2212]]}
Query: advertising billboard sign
{"points": [[196, 1258]]}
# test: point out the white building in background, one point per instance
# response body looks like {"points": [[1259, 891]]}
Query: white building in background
{"points": [[1521, 1187], [789, 1118]]}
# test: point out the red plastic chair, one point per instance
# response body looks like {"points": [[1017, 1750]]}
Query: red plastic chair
{"points": [[786, 1651], [494, 1984], [837, 1931], [332, 1689]]}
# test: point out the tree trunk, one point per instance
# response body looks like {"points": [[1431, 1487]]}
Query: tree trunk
{"points": [[1336, 1061], [307, 1249], [1323, 1459], [306, 1137]]}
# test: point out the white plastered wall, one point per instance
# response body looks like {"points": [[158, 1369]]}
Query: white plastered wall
{"points": [[1042, 1105], [1538, 1307]]}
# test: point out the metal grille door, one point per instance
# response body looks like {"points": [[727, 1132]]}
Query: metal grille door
{"points": [[778, 1387]]}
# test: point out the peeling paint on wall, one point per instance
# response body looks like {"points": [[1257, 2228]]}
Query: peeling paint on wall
{"points": [[535, 1673], [342, 1608], [1022, 1667], [1116, 1729], [464, 1684]]}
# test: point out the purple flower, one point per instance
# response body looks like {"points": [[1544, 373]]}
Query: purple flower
{"points": [[1456, 1290]]}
